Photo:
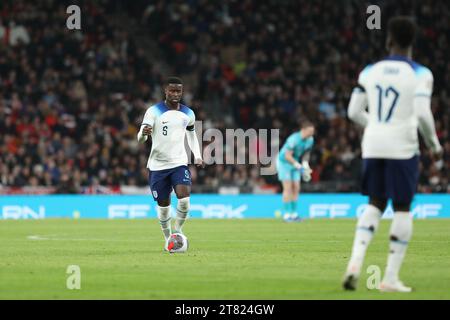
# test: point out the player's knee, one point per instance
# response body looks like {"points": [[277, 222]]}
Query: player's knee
{"points": [[401, 206], [164, 203], [379, 203], [183, 204], [182, 191], [291, 194], [287, 191]]}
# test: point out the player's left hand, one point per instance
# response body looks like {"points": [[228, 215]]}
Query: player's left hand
{"points": [[307, 175], [437, 153], [306, 171], [199, 163]]}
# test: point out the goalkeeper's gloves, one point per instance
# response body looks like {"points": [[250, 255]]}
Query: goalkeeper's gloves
{"points": [[298, 166], [306, 172]]}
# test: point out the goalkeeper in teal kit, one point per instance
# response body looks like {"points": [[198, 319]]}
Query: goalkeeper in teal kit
{"points": [[290, 171]]}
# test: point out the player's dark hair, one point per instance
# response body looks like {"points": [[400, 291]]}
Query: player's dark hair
{"points": [[305, 123], [402, 30], [173, 80]]}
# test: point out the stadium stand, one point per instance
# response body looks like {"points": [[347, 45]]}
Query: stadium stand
{"points": [[71, 102]]}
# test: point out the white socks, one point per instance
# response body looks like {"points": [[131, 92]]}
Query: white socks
{"points": [[401, 232], [164, 217], [164, 220], [182, 211], [367, 225]]}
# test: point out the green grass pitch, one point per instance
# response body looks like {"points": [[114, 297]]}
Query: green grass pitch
{"points": [[227, 259]]}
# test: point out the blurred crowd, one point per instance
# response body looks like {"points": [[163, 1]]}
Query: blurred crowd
{"points": [[269, 64], [71, 101]]}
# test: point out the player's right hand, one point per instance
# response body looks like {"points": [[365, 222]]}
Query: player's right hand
{"points": [[147, 130]]}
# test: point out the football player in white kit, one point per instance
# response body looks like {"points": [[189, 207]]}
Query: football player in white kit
{"points": [[397, 92], [168, 123]]}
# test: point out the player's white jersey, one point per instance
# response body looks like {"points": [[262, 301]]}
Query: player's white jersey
{"points": [[169, 131], [391, 85]]}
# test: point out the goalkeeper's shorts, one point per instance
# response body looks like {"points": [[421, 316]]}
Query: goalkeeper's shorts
{"points": [[287, 172]]}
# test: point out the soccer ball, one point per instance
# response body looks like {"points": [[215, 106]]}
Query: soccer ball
{"points": [[177, 243]]}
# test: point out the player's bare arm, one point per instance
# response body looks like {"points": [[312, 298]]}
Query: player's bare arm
{"points": [[289, 157]]}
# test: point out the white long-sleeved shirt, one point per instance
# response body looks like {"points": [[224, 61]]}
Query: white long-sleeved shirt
{"points": [[397, 93], [170, 127]]}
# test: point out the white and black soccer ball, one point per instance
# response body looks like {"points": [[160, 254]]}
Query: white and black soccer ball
{"points": [[177, 243]]}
